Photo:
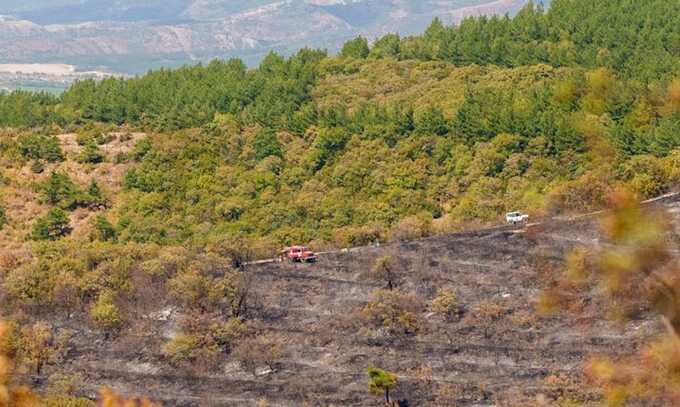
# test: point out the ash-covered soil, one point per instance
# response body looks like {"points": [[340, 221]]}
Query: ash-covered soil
{"points": [[506, 360]]}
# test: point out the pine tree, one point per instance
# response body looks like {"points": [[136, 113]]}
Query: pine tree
{"points": [[356, 48], [3, 217], [380, 382], [52, 226]]}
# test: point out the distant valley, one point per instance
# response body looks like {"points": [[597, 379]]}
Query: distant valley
{"points": [[124, 37], [51, 78]]}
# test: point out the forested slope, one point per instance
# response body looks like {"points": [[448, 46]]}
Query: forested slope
{"points": [[122, 191]]}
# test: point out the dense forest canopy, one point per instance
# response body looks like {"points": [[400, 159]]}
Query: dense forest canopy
{"points": [[640, 42], [543, 111]]}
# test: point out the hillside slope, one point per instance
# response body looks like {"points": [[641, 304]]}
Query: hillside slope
{"points": [[480, 357], [131, 209], [492, 349], [102, 35]]}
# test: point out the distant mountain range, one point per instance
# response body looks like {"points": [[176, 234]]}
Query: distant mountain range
{"points": [[131, 36]]}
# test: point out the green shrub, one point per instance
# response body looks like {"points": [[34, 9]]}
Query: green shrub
{"points": [[105, 313], [386, 47], [60, 191], [31, 284], [103, 229], [198, 291], [190, 287], [356, 48], [93, 196], [394, 312], [93, 136], [231, 210], [52, 226], [40, 147], [410, 228], [121, 157], [203, 339], [69, 274], [266, 144], [37, 345], [380, 382], [589, 192], [91, 154], [182, 347], [359, 235], [647, 176], [85, 138], [3, 217], [445, 304], [141, 149]]}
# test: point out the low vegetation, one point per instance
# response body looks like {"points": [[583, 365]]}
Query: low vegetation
{"points": [[381, 382], [53, 226], [392, 315], [260, 352], [446, 304]]}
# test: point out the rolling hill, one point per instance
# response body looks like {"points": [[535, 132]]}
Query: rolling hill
{"points": [[130, 37]]}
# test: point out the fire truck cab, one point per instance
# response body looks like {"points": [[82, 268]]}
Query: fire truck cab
{"points": [[298, 254]]}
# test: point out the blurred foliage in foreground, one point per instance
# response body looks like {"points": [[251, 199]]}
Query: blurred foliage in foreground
{"points": [[13, 395], [635, 272]]}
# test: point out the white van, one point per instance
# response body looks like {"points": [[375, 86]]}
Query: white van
{"points": [[514, 218]]}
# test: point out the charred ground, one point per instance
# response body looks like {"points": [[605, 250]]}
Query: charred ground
{"points": [[494, 349]]}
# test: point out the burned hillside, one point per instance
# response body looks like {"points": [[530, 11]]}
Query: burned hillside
{"points": [[458, 327]]}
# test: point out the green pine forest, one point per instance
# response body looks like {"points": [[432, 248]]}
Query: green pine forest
{"points": [[544, 112]]}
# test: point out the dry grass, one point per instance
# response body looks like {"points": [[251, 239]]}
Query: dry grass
{"points": [[21, 200]]}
